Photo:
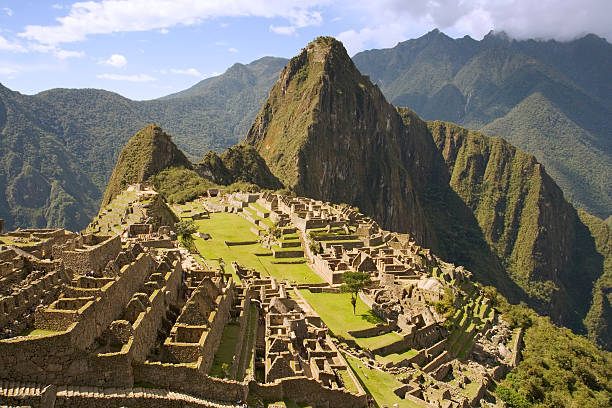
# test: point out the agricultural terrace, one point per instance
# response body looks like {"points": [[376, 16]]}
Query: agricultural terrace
{"points": [[230, 227]]}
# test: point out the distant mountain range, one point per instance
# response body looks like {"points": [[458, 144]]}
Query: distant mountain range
{"points": [[552, 99], [58, 147]]}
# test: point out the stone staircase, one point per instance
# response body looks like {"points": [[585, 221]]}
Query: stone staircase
{"points": [[35, 395]]}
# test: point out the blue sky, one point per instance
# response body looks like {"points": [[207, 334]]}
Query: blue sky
{"points": [[145, 49]]}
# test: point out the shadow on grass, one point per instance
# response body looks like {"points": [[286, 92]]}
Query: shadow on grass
{"points": [[370, 317]]}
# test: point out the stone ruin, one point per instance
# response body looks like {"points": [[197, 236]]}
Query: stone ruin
{"points": [[124, 305]]}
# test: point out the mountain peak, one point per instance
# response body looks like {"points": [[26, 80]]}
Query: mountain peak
{"points": [[145, 154], [499, 36]]}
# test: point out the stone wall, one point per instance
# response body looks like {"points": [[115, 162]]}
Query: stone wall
{"points": [[243, 321], [190, 379], [308, 391], [61, 358], [86, 259], [220, 319]]}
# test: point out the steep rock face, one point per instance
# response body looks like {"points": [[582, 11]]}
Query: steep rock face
{"points": [[148, 152], [211, 167], [524, 218], [327, 132], [599, 319]]}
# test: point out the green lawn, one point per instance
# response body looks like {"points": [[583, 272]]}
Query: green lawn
{"points": [[396, 357], [247, 345], [337, 312], [225, 352], [38, 332], [287, 404], [379, 384], [231, 227], [349, 384]]}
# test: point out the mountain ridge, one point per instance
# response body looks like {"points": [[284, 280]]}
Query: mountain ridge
{"points": [[477, 83]]}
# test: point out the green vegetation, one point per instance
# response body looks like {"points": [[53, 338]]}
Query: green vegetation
{"points": [[355, 282], [38, 332], [379, 384], [234, 228], [185, 229], [147, 153], [534, 94], [558, 368], [336, 311], [56, 175], [222, 362], [598, 320], [180, 185], [246, 356]]}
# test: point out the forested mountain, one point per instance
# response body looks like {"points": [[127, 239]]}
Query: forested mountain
{"points": [[552, 99], [59, 147]]}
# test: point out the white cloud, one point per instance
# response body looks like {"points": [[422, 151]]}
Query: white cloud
{"points": [[232, 49], [8, 71], [116, 60], [110, 16], [63, 54], [129, 78], [221, 43], [390, 21], [223, 25], [57, 6], [189, 71], [8, 11], [283, 30], [6, 45], [164, 31]]}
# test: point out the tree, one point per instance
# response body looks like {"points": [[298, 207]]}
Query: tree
{"points": [[354, 282], [185, 229]]}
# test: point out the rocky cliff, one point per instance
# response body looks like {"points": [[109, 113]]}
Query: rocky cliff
{"points": [[525, 219], [327, 132], [147, 153]]}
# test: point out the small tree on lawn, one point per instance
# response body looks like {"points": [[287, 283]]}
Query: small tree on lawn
{"points": [[354, 282], [185, 229]]}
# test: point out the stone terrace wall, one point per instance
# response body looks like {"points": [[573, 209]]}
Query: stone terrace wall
{"points": [[147, 323], [61, 358], [190, 380], [213, 337], [95, 258], [309, 391]]}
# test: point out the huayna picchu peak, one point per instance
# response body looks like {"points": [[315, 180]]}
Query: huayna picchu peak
{"points": [[345, 253]]}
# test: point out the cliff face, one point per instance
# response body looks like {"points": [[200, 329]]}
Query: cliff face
{"points": [[148, 152], [327, 132], [525, 219]]}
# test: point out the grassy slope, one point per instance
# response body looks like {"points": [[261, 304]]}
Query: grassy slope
{"points": [[337, 312]]}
